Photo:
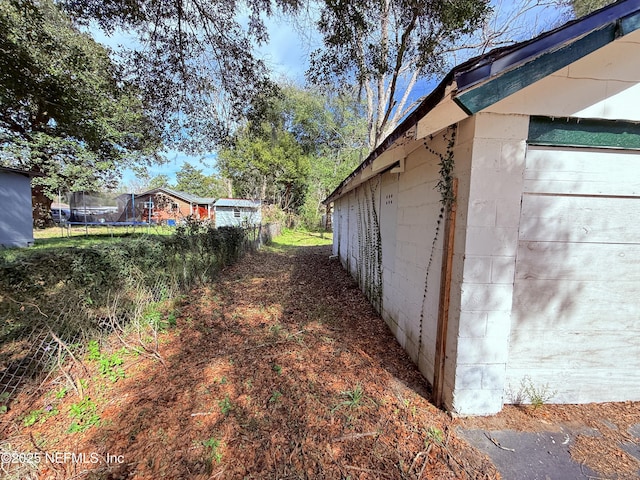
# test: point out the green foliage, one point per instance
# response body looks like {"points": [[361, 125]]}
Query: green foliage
{"points": [[77, 286], [225, 405], [193, 61], [60, 394], [584, 7], [384, 47], [434, 435], [159, 319], [84, 415], [214, 445], [4, 402], [536, 396], [109, 366], [296, 147], [353, 398], [191, 180], [40, 415], [93, 350], [65, 109], [275, 397]]}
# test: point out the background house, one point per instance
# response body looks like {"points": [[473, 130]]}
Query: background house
{"points": [[16, 212], [237, 211], [533, 274], [162, 205]]}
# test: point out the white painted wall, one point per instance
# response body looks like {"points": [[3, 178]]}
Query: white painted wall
{"points": [[16, 217], [225, 216], [604, 84], [489, 164], [409, 208], [576, 304]]}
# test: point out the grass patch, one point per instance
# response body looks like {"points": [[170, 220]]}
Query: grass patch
{"points": [[292, 239], [56, 238]]}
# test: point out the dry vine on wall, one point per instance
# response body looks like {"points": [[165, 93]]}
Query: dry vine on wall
{"points": [[369, 270], [447, 197]]}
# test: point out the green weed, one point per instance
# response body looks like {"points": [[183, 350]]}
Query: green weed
{"points": [[40, 415], [277, 369], [536, 396], [93, 350], [84, 415], [353, 398], [213, 445], [275, 397], [4, 402], [225, 405], [60, 394], [434, 435], [109, 366]]}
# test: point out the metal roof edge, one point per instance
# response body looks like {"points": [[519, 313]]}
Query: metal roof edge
{"points": [[26, 173], [187, 197]]}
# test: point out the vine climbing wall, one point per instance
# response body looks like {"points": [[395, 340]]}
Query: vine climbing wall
{"points": [[388, 237]]}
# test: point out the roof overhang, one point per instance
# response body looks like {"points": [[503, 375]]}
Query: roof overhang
{"points": [[487, 79], [18, 171]]}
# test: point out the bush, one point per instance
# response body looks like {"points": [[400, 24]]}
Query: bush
{"points": [[73, 290]]}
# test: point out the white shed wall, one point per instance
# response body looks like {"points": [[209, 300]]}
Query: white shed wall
{"points": [[16, 216], [409, 208], [489, 163], [576, 306], [225, 216]]}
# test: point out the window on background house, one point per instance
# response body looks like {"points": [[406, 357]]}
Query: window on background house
{"points": [[175, 207], [236, 212]]}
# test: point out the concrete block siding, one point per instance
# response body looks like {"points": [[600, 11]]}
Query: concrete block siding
{"points": [[484, 262], [409, 210], [489, 162]]}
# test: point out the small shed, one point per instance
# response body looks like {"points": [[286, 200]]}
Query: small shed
{"points": [[496, 229], [161, 205], [16, 211], [237, 211]]}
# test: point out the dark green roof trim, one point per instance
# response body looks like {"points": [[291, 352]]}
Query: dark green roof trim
{"points": [[581, 132], [510, 82]]}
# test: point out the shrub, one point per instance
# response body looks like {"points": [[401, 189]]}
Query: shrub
{"points": [[74, 290]]}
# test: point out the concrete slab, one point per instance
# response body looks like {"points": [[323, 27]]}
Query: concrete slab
{"points": [[530, 455]]}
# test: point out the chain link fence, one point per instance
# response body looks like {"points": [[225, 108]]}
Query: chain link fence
{"points": [[47, 317]]}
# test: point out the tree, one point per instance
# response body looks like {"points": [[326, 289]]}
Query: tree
{"points": [[65, 110], [193, 59], [159, 181], [384, 47], [190, 179], [295, 148], [583, 7]]}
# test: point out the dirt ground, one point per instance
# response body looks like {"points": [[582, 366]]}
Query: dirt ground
{"points": [[281, 370]]}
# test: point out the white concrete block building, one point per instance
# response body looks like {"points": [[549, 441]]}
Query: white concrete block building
{"points": [[533, 271]]}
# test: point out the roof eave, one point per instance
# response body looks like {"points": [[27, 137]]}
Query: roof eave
{"points": [[482, 81]]}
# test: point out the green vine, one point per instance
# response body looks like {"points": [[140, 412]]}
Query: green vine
{"points": [[447, 197]]}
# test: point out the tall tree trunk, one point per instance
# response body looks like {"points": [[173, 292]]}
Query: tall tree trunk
{"points": [[41, 207]]}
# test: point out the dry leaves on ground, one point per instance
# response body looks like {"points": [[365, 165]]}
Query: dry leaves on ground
{"points": [[280, 370]]}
